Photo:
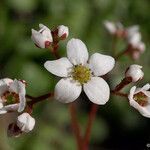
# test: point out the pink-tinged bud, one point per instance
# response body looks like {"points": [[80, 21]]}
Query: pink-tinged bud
{"points": [[135, 72], [25, 122], [63, 32], [43, 37]]}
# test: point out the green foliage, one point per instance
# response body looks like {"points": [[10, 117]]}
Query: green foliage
{"points": [[19, 58]]}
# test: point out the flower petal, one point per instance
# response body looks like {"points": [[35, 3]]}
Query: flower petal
{"points": [[77, 52], [59, 67], [22, 103], [11, 107], [38, 39], [97, 90], [101, 64], [3, 111], [145, 111], [67, 90], [17, 87]]}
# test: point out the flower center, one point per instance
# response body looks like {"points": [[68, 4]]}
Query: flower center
{"points": [[141, 99], [81, 74], [10, 98]]}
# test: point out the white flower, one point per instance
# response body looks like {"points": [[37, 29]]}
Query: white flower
{"points": [[12, 95], [110, 26], [135, 72], [63, 31], [139, 98], [43, 37], [114, 28], [130, 31], [77, 71], [25, 122]]}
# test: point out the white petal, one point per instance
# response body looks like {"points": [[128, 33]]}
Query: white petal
{"points": [[132, 30], [135, 72], [134, 39], [131, 94], [3, 88], [6, 80], [101, 64], [1, 105], [17, 87], [67, 90], [97, 90], [38, 39], [77, 52], [22, 103], [45, 31], [146, 87], [25, 122], [63, 30], [145, 111], [3, 111], [110, 27], [12, 107], [60, 67]]}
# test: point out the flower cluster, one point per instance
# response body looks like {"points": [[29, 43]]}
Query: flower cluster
{"points": [[79, 72], [139, 98], [45, 37], [132, 36], [12, 99]]}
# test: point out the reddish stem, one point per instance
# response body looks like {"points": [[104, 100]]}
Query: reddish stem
{"points": [[75, 125], [119, 94], [122, 84], [92, 116], [38, 99]]}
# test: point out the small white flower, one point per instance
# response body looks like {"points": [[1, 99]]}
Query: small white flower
{"points": [[43, 37], [25, 122], [110, 26], [135, 72], [63, 31], [12, 95], [130, 31], [114, 28], [78, 72], [139, 98]]}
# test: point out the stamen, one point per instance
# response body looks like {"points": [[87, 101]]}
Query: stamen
{"points": [[81, 74], [141, 99], [10, 98]]}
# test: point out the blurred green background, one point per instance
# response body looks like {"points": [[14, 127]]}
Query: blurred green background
{"points": [[117, 126]]}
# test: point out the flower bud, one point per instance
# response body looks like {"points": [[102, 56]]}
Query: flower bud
{"points": [[135, 72], [43, 37], [25, 122], [63, 32]]}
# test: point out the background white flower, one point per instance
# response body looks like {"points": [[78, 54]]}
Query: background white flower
{"points": [[139, 98], [12, 95], [78, 72], [25, 122], [43, 37]]}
